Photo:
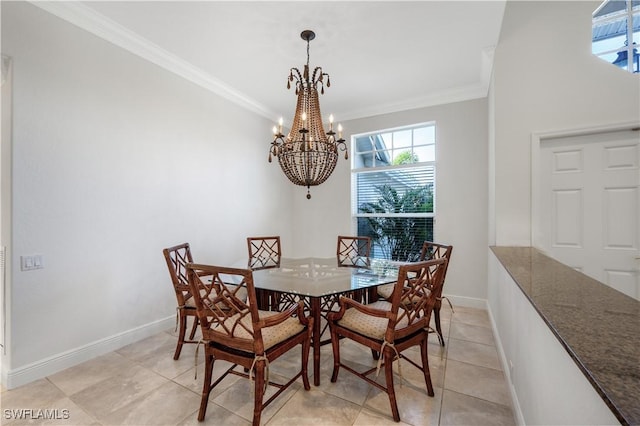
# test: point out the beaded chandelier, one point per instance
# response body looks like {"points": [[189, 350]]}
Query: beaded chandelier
{"points": [[307, 155]]}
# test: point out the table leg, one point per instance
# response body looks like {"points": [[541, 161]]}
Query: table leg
{"points": [[263, 298], [372, 295], [315, 314]]}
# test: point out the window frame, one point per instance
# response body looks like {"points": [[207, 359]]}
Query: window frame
{"points": [[355, 172], [632, 47]]}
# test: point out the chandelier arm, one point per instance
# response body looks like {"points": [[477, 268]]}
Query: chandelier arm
{"points": [[340, 144], [316, 78], [297, 76]]}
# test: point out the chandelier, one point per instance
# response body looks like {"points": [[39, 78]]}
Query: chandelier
{"points": [[307, 155]]}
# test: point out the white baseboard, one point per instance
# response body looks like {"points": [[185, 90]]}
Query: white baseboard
{"points": [[469, 302], [506, 370], [53, 364]]}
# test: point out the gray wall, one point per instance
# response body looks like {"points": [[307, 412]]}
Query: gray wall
{"points": [[461, 194]]}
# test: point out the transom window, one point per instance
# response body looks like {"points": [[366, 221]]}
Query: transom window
{"points": [[393, 183], [616, 33]]}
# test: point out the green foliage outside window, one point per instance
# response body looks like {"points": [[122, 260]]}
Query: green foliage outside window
{"points": [[399, 237], [405, 157]]}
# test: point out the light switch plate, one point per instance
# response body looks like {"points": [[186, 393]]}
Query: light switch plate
{"points": [[29, 263]]}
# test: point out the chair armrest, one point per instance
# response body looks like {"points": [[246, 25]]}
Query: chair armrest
{"points": [[280, 317]]}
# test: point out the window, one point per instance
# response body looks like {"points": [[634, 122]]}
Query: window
{"points": [[616, 33], [393, 183]]}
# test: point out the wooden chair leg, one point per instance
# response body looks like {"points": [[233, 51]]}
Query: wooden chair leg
{"points": [[335, 345], [182, 331], [206, 387], [436, 316], [258, 392], [388, 373], [425, 366], [194, 327], [306, 346]]}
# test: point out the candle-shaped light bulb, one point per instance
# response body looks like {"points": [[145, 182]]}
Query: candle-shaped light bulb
{"points": [[280, 125], [330, 122], [275, 131], [304, 119], [339, 131]]}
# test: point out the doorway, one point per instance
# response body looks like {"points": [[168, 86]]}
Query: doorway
{"points": [[588, 212]]}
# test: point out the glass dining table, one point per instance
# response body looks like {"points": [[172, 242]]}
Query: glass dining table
{"points": [[319, 282]]}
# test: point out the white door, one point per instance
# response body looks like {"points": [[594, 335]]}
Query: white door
{"points": [[590, 205]]}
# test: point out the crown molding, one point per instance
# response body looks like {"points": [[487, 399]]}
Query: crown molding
{"points": [[442, 97], [101, 26], [447, 96], [95, 23]]}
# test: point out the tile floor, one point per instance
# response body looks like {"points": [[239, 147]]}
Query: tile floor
{"points": [[141, 384]]}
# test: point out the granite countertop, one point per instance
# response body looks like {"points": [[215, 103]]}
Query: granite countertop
{"points": [[598, 326]]}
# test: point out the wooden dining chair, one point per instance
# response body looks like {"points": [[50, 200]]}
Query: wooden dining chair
{"points": [[177, 258], [391, 327], [264, 252], [235, 330], [430, 250], [353, 251]]}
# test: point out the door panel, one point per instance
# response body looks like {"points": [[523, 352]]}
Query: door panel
{"points": [[590, 219], [620, 217], [567, 226]]}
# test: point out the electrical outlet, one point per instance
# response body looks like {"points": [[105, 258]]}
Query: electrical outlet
{"points": [[29, 263]]}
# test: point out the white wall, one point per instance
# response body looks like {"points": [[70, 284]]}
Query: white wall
{"points": [[113, 159], [461, 194], [547, 387], [547, 80], [5, 211]]}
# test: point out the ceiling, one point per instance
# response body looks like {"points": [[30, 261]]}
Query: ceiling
{"points": [[382, 56]]}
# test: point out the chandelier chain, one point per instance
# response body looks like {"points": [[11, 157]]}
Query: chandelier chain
{"points": [[308, 54]]}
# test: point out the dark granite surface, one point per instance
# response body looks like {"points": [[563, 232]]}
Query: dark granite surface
{"points": [[599, 326]]}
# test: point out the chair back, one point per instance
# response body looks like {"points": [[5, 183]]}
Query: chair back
{"points": [[353, 251], [177, 257], [264, 252], [414, 297], [226, 316], [431, 250]]}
